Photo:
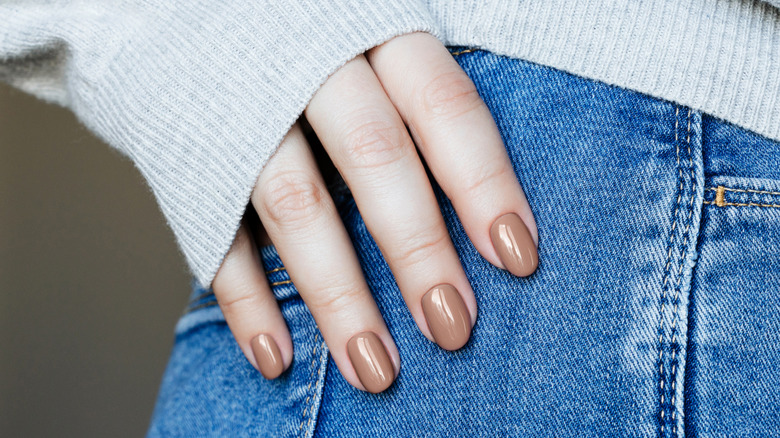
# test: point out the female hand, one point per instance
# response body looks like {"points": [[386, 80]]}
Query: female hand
{"points": [[360, 114]]}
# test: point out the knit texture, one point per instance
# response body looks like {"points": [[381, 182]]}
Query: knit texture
{"points": [[718, 56], [197, 93], [200, 93]]}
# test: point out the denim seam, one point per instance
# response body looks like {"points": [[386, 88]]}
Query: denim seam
{"points": [[729, 189], [678, 287], [734, 204], [667, 273], [301, 430], [318, 347], [319, 389]]}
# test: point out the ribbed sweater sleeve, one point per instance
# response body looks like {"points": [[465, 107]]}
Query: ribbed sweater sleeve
{"points": [[198, 93]]}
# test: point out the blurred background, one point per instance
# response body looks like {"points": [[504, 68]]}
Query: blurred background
{"points": [[91, 280]]}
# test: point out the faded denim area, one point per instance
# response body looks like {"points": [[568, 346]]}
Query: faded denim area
{"points": [[655, 311]]}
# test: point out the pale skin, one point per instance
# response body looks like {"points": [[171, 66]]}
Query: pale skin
{"points": [[361, 114]]}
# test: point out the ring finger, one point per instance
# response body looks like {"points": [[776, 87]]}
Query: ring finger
{"points": [[302, 221]]}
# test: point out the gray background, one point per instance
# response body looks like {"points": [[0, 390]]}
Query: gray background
{"points": [[91, 280]]}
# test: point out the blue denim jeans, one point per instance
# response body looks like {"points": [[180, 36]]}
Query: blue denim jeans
{"points": [[655, 310]]}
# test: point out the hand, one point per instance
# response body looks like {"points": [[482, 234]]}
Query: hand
{"points": [[360, 114]]}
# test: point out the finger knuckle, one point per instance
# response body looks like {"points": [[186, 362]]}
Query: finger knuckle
{"points": [[483, 179], [375, 143], [293, 197], [421, 246], [240, 299], [450, 95], [336, 299]]}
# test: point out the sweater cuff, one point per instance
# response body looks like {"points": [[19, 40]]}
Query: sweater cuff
{"points": [[201, 104]]}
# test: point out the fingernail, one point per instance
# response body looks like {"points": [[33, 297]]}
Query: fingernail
{"points": [[371, 361], [514, 245], [447, 316], [268, 356]]}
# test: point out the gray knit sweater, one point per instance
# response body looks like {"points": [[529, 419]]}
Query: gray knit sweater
{"points": [[199, 93]]}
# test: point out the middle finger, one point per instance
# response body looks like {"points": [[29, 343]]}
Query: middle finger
{"points": [[301, 219], [367, 141]]}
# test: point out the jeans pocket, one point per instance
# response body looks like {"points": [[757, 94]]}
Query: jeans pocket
{"points": [[569, 350], [734, 348], [210, 389], [201, 309]]}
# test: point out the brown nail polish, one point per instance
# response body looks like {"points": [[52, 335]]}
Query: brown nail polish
{"points": [[268, 356], [514, 245], [371, 361], [447, 316]]}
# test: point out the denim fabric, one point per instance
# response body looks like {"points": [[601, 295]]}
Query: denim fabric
{"points": [[655, 311]]}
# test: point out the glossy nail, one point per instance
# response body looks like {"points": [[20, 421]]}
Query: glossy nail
{"points": [[447, 316], [268, 356], [514, 245], [371, 361]]}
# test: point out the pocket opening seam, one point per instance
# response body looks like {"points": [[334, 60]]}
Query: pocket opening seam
{"points": [[735, 204], [729, 189]]}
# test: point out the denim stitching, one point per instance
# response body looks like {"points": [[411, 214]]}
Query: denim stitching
{"points": [[301, 430], [322, 354], [735, 204], [729, 189], [678, 287], [667, 271], [278, 283], [460, 52], [274, 270]]}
